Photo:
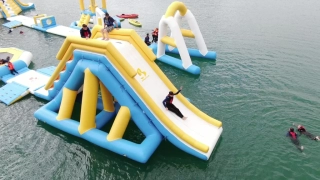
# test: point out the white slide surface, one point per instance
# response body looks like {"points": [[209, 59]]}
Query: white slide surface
{"points": [[194, 126]]}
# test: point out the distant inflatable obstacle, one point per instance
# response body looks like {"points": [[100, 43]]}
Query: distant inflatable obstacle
{"points": [[27, 81], [92, 15], [10, 8], [176, 12]]}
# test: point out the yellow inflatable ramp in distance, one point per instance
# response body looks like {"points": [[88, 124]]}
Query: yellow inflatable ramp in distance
{"points": [[84, 19]]}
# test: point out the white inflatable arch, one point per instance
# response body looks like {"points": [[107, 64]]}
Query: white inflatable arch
{"points": [[174, 14]]}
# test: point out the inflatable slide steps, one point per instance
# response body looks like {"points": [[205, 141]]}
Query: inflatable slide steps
{"points": [[64, 75], [84, 19], [10, 8], [4, 10], [13, 6]]}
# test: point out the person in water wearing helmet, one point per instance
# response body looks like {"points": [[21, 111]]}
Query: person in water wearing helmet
{"points": [[167, 102], [303, 130], [294, 138]]}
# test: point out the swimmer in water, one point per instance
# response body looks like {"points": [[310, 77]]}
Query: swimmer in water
{"points": [[294, 138], [303, 130]]}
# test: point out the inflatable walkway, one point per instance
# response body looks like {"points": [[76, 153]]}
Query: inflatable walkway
{"points": [[10, 8], [124, 68]]}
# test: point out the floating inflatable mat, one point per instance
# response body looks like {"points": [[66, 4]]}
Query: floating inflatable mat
{"points": [[12, 92], [12, 24]]}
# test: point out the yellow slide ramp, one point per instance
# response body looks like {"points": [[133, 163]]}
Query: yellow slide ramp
{"points": [[4, 9], [129, 73], [13, 8], [84, 19]]}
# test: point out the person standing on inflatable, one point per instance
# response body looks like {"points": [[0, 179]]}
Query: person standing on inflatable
{"points": [[155, 35], [146, 40], [167, 102], [85, 31], [11, 68], [294, 138]]}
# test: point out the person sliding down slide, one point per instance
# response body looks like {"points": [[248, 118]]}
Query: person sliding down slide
{"points": [[167, 102], [294, 138], [302, 130]]}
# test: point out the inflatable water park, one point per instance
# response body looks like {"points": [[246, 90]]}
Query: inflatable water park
{"points": [[114, 81]]}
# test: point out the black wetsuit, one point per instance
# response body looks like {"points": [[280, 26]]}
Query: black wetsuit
{"points": [[146, 40], [85, 33], [167, 102], [302, 130], [294, 139]]}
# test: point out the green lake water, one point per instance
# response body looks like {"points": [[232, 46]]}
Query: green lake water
{"points": [[267, 76]]}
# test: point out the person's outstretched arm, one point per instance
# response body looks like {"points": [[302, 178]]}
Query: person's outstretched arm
{"points": [[178, 91]]}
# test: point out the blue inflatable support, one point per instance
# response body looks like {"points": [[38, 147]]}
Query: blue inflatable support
{"points": [[101, 68]]}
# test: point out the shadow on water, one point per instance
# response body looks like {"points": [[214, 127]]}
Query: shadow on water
{"points": [[132, 132], [32, 65], [42, 101], [166, 152], [100, 158], [70, 139], [213, 155]]}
